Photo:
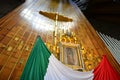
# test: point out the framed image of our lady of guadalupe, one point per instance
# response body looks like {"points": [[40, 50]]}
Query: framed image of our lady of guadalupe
{"points": [[70, 55]]}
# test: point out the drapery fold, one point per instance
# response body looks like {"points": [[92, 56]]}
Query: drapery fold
{"points": [[42, 65], [58, 71], [104, 71], [37, 63]]}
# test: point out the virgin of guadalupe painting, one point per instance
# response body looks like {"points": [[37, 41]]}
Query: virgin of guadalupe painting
{"points": [[70, 56]]}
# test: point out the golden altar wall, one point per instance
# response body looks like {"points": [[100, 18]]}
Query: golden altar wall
{"points": [[19, 29], [86, 58], [64, 38], [63, 35]]}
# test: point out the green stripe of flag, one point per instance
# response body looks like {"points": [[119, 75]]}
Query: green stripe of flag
{"points": [[37, 62]]}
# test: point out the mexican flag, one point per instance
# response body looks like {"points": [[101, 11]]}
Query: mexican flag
{"points": [[42, 65]]}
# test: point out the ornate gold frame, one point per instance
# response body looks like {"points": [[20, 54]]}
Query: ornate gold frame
{"points": [[77, 50]]}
